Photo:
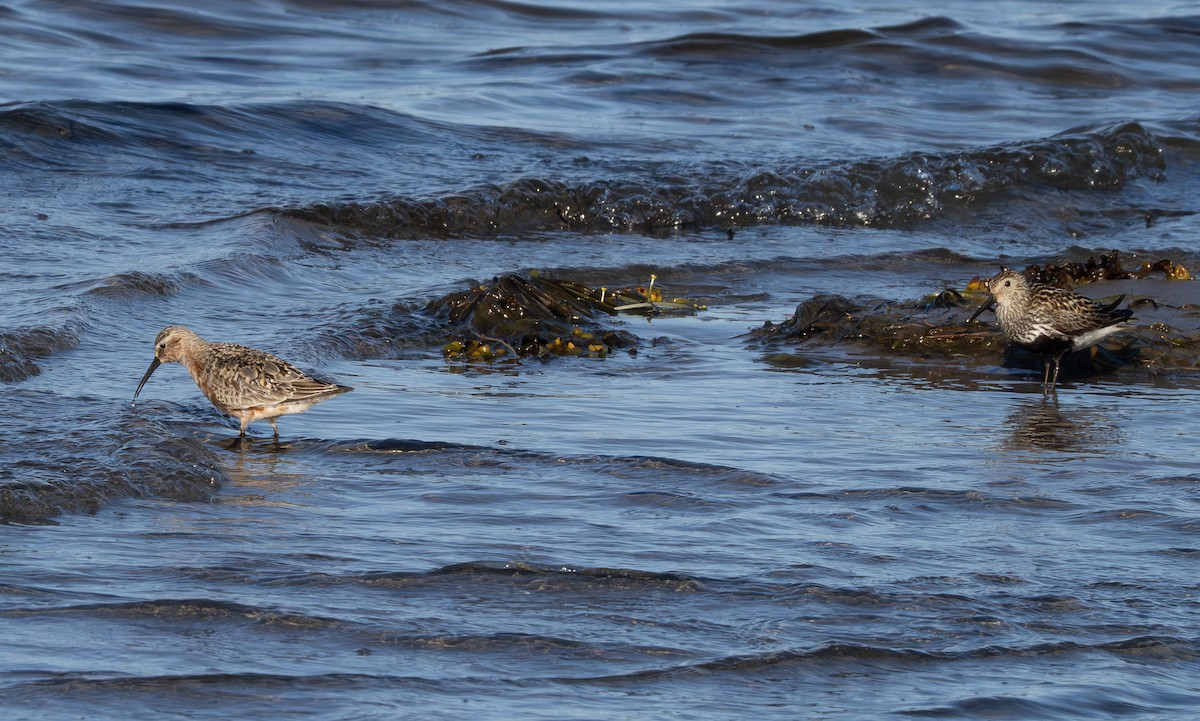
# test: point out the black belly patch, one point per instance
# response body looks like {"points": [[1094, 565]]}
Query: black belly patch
{"points": [[1048, 346]]}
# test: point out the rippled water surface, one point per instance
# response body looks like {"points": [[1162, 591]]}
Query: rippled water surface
{"points": [[702, 524]]}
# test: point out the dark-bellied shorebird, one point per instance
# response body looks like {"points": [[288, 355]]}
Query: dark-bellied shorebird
{"points": [[1048, 320]]}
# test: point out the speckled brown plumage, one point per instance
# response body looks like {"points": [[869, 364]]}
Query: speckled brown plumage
{"points": [[1049, 320], [243, 382]]}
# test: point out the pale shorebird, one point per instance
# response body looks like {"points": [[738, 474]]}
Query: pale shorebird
{"points": [[248, 384], [1048, 320]]}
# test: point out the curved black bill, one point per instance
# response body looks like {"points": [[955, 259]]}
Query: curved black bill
{"points": [[987, 305], [153, 364]]}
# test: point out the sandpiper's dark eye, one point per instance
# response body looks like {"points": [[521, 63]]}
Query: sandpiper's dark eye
{"points": [[1007, 283]]}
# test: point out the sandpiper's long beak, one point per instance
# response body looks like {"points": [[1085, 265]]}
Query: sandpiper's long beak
{"points": [[987, 305], [153, 364]]}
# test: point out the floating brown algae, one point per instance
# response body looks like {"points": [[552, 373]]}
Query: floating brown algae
{"points": [[1166, 336], [648, 300], [936, 328], [1107, 267], [924, 330], [539, 317]]}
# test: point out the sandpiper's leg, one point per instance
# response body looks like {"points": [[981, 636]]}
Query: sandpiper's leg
{"points": [[1045, 376], [1054, 380], [243, 433], [275, 428]]}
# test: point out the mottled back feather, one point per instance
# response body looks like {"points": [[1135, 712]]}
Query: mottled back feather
{"points": [[235, 377], [1072, 314]]}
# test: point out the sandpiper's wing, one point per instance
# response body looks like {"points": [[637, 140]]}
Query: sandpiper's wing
{"points": [[244, 377], [1073, 315]]}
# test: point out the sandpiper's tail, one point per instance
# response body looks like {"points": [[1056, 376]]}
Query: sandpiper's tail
{"points": [[1114, 314]]}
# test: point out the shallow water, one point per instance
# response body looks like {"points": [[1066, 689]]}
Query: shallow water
{"points": [[709, 527]]}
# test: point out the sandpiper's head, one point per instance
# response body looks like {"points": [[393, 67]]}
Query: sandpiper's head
{"points": [[169, 347], [1008, 286]]}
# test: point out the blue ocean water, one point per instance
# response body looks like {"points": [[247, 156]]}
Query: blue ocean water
{"points": [[705, 528]]}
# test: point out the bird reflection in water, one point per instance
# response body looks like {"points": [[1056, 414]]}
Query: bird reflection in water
{"points": [[263, 472], [1041, 426]]}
